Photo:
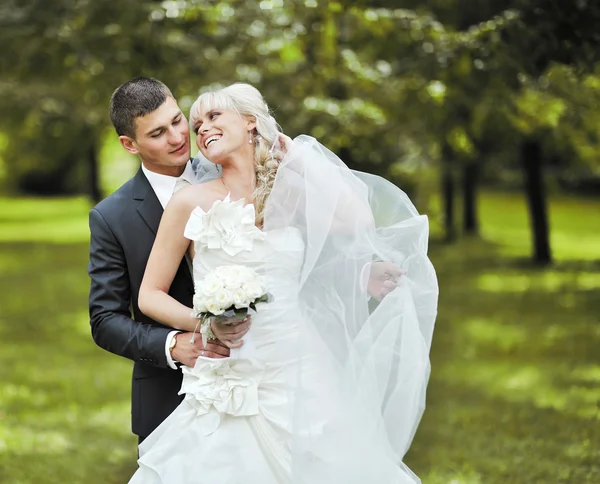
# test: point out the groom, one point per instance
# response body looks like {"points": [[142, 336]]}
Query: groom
{"points": [[123, 227]]}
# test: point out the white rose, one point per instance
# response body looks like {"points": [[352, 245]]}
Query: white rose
{"points": [[240, 298], [231, 276], [209, 286], [211, 277], [213, 307], [253, 289], [220, 272], [199, 303], [224, 298], [234, 281], [223, 272]]}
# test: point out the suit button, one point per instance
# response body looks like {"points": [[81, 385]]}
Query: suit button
{"points": [[191, 291]]}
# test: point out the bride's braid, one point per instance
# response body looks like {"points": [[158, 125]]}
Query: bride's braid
{"points": [[266, 161], [248, 101]]}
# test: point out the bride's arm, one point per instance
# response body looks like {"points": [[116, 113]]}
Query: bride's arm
{"points": [[169, 249]]}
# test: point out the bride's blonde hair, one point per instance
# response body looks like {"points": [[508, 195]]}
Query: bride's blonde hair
{"points": [[248, 101]]}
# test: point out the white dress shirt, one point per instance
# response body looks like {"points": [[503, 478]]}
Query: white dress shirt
{"points": [[164, 187]]}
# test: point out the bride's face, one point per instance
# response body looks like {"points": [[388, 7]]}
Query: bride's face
{"points": [[221, 133]]}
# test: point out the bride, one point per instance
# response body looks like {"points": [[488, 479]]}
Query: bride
{"points": [[323, 384]]}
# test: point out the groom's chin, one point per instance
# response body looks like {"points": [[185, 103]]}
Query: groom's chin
{"points": [[181, 159]]}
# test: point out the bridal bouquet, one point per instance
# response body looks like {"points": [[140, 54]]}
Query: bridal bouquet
{"points": [[228, 293]]}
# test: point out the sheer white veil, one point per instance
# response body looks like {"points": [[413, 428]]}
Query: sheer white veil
{"points": [[204, 170], [349, 219]]}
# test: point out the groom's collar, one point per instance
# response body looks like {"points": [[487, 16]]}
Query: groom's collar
{"points": [[161, 185]]}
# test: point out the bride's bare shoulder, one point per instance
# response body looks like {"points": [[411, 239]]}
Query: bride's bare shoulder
{"points": [[202, 195]]}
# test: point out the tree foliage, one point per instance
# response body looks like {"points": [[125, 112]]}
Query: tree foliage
{"points": [[392, 87]]}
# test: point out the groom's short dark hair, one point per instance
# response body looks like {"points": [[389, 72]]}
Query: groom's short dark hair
{"points": [[137, 97]]}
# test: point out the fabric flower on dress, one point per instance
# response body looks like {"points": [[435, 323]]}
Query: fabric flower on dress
{"points": [[227, 225], [222, 386]]}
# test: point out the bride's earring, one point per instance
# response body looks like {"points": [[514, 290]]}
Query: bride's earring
{"points": [[249, 138]]}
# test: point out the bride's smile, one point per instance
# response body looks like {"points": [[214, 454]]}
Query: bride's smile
{"points": [[223, 135]]}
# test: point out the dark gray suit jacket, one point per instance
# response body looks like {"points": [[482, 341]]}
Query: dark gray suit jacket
{"points": [[123, 228]]}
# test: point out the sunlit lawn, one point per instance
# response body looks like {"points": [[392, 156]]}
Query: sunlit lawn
{"points": [[515, 387], [64, 403]]}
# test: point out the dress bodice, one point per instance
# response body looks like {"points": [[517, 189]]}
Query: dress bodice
{"points": [[227, 235]]}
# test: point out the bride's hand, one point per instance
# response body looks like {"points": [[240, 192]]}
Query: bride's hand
{"points": [[230, 334], [383, 279], [285, 142]]}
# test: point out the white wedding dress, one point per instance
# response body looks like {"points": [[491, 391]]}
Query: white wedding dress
{"points": [[291, 406]]}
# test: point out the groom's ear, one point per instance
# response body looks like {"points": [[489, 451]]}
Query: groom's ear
{"points": [[129, 144]]}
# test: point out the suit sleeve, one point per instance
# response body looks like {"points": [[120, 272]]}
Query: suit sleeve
{"points": [[113, 329]]}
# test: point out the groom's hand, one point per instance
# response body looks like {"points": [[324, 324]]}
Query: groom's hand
{"points": [[186, 352]]}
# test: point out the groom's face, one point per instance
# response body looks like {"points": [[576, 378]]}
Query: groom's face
{"points": [[162, 139]]}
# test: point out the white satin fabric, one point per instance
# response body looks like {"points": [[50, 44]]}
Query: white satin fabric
{"points": [[332, 391]]}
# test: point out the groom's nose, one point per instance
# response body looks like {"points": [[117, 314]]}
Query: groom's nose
{"points": [[175, 136]]}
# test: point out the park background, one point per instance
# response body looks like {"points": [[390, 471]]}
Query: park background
{"points": [[484, 111]]}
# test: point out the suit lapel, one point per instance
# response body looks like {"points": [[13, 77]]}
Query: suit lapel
{"points": [[150, 208]]}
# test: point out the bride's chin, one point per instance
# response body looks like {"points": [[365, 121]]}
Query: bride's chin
{"points": [[213, 157]]}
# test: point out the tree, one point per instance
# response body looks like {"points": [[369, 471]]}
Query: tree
{"points": [[61, 62], [549, 32]]}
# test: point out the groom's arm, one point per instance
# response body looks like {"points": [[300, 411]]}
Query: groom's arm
{"points": [[110, 297]]}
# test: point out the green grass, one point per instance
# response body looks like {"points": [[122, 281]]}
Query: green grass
{"points": [[64, 403], [515, 384], [574, 223], [39, 220]]}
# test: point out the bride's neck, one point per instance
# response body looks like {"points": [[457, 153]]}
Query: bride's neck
{"points": [[239, 177]]}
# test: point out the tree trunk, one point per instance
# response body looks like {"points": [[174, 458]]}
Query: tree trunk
{"points": [[531, 159], [448, 190], [94, 191], [470, 176]]}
